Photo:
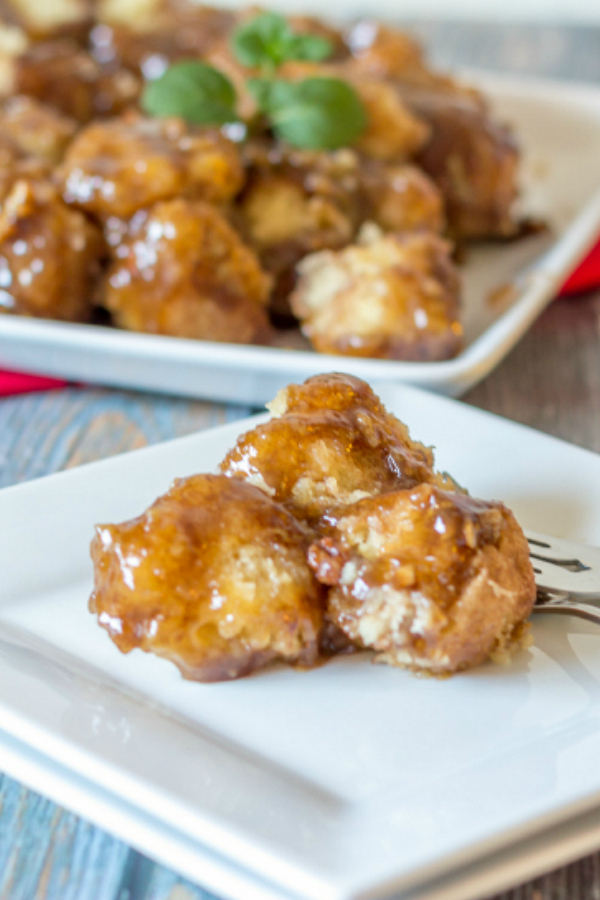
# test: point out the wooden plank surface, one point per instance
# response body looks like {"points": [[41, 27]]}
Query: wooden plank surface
{"points": [[551, 381]]}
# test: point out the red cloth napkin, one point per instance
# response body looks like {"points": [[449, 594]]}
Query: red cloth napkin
{"points": [[18, 383], [585, 277]]}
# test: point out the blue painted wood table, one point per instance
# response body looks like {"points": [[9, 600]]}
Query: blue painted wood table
{"points": [[551, 381]]}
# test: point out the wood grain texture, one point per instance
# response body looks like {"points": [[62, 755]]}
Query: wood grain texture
{"points": [[551, 381], [46, 432], [47, 853]]}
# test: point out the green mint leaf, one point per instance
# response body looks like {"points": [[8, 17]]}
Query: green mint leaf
{"points": [[271, 95], [309, 47], [317, 113], [194, 91], [262, 40], [267, 41]]}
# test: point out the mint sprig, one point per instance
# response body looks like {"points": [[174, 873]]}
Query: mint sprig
{"points": [[313, 114], [267, 41], [317, 113], [193, 91]]}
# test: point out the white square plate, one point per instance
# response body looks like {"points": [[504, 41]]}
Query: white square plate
{"points": [[348, 781], [558, 126]]}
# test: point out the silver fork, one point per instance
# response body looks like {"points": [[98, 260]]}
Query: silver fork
{"points": [[567, 575]]}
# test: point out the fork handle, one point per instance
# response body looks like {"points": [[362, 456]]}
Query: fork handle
{"points": [[581, 610]]}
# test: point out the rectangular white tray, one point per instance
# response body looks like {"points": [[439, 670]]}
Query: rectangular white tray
{"points": [[559, 127], [345, 782]]}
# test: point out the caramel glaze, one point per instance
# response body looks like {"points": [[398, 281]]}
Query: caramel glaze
{"points": [[392, 296], [299, 202], [473, 160], [115, 168], [296, 202], [213, 576], [328, 532], [49, 254], [179, 269], [63, 75], [430, 579], [34, 130], [332, 443], [169, 31], [286, 205], [470, 156]]}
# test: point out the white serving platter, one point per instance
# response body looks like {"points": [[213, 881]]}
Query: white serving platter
{"points": [[506, 286], [346, 782]]}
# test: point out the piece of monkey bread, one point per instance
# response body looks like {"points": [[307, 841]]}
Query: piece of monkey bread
{"points": [[117, 167], [392, 296], [49, 254], [180, 269], [35, 130], [401, 198], [214, 577], [331, 442], [429, 579]]}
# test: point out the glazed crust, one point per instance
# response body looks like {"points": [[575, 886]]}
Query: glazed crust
{"points": [[35, 130], [331, 443], [473, 159], [296, 202], [400, 198], [393, 132], [180, 269], [49, 254], [329, 531], [213, 576], [40, 19], [392, 297], [429, 579], [432, 158], [117, 167], [65, 76], [142, 34]]}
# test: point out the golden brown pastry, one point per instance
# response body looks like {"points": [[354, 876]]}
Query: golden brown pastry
{"points": [[117, 167], [216, 574], [296, 202], [180, 269], [331, 442], [64, 75], [41, 19], [147, 35], [13, 42], [392, 55], [431, 580], [473, 159], [391, 296], [393, 132], [14, 167], [400, 198], [49, 254], [34, 129], [213, 576]]}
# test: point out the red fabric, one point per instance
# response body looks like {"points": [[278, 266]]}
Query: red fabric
{"points": [[584, 278], [19, 383]]}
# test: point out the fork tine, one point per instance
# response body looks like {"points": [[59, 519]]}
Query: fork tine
{"points": [[565, 568]]}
